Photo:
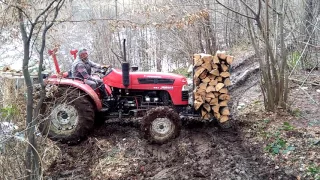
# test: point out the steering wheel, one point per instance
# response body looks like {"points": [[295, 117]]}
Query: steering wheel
{"points": [[104, 70]]}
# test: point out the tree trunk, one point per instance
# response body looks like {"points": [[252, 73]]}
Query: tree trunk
{"points": [[30, 125]]}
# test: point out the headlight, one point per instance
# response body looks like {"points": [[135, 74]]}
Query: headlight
{"points": [[147, 99], [185, 88]]}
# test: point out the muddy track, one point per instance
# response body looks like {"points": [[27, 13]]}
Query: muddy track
{"points": [[244, 75], [118, 150], [200, 152]]}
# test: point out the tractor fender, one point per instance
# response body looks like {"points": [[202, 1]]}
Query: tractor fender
{"points": [[77, 84]]}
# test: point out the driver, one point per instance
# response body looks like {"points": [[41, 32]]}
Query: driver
{"points": [[81, 68]]}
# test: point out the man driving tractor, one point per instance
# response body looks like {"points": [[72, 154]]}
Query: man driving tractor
{"points": [[81, 68]]}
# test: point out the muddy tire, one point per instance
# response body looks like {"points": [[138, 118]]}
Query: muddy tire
{"points": [[160, 125], [68, 117]]}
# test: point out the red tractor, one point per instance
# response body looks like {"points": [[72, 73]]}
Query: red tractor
{"points": [[72, 107]]}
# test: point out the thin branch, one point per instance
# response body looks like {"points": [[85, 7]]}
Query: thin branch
{"points": [[305, 47], [306, 82], [118, 57], [252, 11], [38, 17], [259, 9], [234, 10]]}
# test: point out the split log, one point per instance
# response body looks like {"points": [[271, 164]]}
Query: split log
{"points": [[216, 60], [207, 65], [223, 103], [216, 108], [227, 82], [224, 67], [206, 80], [210, 89], [197, 81], [223, 91], [217, 115], [214, 101], [219, 86], [222, 55], [210, 95], [214, 66], [201, 93], [203, 74], [225, 111], [215, 72], [197, 60], [197, 104], [223, 118], [207, 116], [203, 112], [211, 76], [229, 59], [213, 82], [224, 97], [207, 107], [199, 71], [225, 74], [216, 94], [219, 79], [207, 58], [203, 85]]}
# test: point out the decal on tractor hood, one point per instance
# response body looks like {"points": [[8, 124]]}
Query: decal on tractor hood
{"points": [[166, 87], [152, 76]]}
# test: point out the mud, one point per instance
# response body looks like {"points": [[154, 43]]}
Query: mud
{"points": [[200, 152]]}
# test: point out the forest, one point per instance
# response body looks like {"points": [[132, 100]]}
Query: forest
{"points": [[269, 49]]}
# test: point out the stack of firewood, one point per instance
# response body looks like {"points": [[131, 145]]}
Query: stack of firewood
{"points": [[211, 79]]}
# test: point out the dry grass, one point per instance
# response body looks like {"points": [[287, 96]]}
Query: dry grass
{"points": [[14, 145]]}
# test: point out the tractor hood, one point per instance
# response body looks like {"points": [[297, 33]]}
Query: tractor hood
{"points": [[156, 75], [114, 78]]}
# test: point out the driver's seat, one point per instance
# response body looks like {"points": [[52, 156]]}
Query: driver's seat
{"points": [[69, 74], [71, 77]]}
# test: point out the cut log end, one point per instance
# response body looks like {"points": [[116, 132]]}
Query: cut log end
{"points": [[229, 59], [222, 55], [223, 119], [225, 74], [219, 86], [225, 111], [210, 89], [207, 107]]}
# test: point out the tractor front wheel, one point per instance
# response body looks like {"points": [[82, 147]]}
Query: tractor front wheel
{"points": [[68, 117], [161, 124]]}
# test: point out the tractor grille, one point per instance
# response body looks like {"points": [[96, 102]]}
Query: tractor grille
{"points": [[185, 95], [155, 81]]}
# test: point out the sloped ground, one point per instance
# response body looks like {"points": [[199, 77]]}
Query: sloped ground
{"points": [[291, 140], [262, 146]]}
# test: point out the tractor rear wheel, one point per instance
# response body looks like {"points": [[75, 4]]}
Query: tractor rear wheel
{"points": [[68, 117], [161, 124]]}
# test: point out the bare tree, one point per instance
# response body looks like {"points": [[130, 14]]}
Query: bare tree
{"points": [[273, 68], [31, 24]]}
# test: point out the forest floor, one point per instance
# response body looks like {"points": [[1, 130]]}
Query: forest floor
{"points": [[283, 145]]}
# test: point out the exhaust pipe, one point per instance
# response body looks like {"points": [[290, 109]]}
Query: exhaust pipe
{"points": [[125, 67]]}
